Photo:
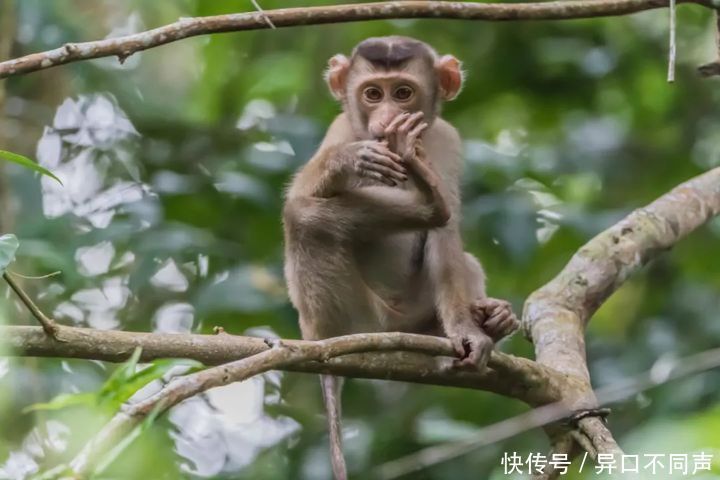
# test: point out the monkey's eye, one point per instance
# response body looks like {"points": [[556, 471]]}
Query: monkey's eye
{"points": [[373, 94], [403, 93]]}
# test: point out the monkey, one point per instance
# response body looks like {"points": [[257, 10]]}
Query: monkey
{"points": [[372, 221]]}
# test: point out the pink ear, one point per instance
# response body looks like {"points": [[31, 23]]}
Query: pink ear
{"points": [[336, 75], [450, 76]]}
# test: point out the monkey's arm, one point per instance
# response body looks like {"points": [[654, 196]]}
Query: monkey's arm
{"points": [[341, 160], [371, 209], [378, 208]]}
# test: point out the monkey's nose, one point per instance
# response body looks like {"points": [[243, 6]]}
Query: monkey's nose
{"points": [[377, 132]]}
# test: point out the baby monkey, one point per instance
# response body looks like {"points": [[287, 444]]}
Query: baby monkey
{"points": [[372, 221]]}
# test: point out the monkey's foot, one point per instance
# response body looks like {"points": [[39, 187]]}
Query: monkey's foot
{"points": [[472, 345], [495, 317]]}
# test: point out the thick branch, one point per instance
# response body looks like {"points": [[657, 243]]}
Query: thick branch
{"points": [[555, 316], [508, 375], [122, 47]]}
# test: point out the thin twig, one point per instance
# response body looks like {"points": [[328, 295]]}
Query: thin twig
{"points": [[123, 47], [672, 52], [48, 324], [539, 417], [34, 277], [259, 9]]}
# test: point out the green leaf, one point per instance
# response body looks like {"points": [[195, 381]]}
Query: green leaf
{"points": [[60, 472], [123, 372], [119, 387], [64, 400], [27, 163], [115, 392], [8, 246]]}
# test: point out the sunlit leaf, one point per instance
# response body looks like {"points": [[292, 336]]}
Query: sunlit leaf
{"points": [[123, 372], [120, 386], [64, 400], [115, 392], [60, 472], [8, 246], [27, 163]]}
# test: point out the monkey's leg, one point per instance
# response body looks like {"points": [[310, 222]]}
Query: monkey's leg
{"points": [[332, 389], [493, 315]]}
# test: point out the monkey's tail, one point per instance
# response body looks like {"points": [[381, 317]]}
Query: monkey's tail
{"points": [[331, 388]]}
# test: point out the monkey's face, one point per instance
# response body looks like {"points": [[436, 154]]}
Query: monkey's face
{"points": [[375, 96], [387, 76], [380, 98]]}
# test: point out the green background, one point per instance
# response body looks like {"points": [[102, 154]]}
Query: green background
{"points": [[174, 166]]}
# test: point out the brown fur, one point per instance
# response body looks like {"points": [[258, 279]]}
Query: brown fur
{"points": [[367, 252]]}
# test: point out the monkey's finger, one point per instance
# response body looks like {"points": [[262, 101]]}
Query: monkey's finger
{"points": [[392, 126], [410, 123], [511, 327], [383, 170], [490, 303], [459, 345], [497, 331], [386, 160], [493, 306], [376, 176], [494, 324], [417, 131], [383, 149], [464, 364], [480, 352]]}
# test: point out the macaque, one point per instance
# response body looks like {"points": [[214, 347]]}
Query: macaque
{"points": [[372, 221]]}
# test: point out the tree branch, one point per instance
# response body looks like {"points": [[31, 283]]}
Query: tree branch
{"points": [[277, 354], [48, 324], [586, 435], [124, 46], [556, 315], [507, 375]]}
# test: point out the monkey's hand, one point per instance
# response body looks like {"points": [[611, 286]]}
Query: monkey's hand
{"points": [[373, 159], [472, 345], [495, 317], [404, 132]]}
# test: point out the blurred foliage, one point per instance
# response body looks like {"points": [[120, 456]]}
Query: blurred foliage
{"points": [[8, 247], [173, 167]]}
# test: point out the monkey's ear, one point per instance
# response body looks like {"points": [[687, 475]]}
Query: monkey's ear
{"points": [[336, 75], [450, 76]]}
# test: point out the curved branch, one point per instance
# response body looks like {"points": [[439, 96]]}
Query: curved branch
{"points": [[508, 375], [556, 315], [588, 436], [124, 46], [276, 355]]}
